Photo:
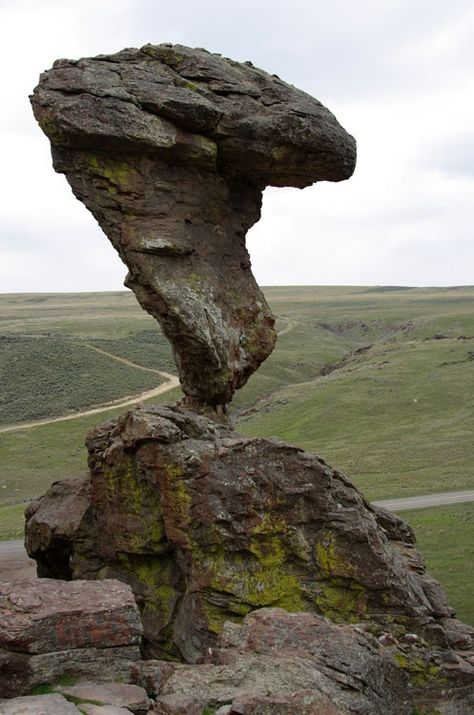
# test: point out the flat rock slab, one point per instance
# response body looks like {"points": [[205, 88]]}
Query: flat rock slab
{"points": [[90, 709], [118, 695], [44, 615], [53, 704], [50, 628]]}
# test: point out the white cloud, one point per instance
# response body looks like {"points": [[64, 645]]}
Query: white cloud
{"points": [[398, 75]]}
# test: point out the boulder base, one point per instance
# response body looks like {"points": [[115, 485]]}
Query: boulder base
{"points": [[293, 662], [207, 526]]}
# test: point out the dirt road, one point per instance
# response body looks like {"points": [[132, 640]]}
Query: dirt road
{"points": [[172, 381]]}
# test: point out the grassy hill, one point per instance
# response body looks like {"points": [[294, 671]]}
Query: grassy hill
{"points": [[47, 361], [379, 381], [392, 403]]}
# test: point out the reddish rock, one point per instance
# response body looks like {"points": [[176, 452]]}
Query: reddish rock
{"points": [[50, 628], [44, 615]]}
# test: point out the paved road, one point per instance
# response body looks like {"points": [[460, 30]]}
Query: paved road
{"points": [[14, 562], [444, 498]]}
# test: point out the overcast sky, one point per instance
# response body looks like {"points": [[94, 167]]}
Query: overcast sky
{"points": [[398, 74]]}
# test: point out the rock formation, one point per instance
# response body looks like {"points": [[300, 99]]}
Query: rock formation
{"points": [[170, 148], [279, 662], [52, 628], [207, 526]]}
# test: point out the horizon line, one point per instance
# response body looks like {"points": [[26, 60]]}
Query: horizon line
{"points": [[392, 286]]}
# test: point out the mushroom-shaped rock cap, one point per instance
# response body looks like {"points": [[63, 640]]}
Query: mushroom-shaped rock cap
{"points": [[170, 148]]}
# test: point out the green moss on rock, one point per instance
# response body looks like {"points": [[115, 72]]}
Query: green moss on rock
{"points": [[342, 600], [50, 128], [254, 577], [176, 497], [120, 175], [421, 671], [330, 559]]}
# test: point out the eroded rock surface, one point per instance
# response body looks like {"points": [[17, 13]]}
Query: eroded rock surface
{"points": [[280, 663], [131, 698], [170, 148], [292, 663], [207, 526], [51, 628], [51, 704]]}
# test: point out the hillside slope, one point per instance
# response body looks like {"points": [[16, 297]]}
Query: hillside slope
{"points": [[379, 381]]}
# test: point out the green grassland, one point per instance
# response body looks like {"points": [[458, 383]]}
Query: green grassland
{"points": [[48, 376], [378, 381], [48, 366], [11, 521], [445, 537], [397, 413]]}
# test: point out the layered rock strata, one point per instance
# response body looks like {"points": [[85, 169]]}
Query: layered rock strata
{"points": [[170, 148], [207, 526], [51, 628]]}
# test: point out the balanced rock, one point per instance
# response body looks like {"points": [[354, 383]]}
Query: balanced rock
{"points": [[170, 148], [207, 526], [51, 628]]}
